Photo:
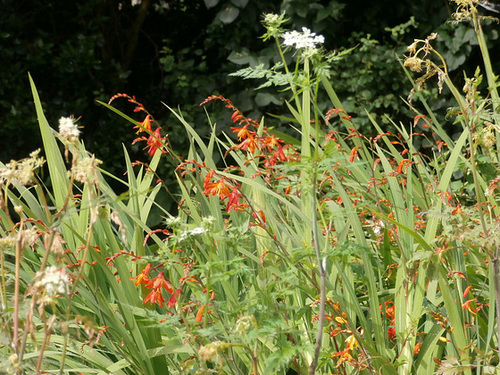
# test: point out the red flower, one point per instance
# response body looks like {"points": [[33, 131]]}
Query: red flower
{"points": [[155, 141], [234, 200], [391, 333], [173, 298]]}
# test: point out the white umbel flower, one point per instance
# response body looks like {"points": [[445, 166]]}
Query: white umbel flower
{"points": [[304, 39]]}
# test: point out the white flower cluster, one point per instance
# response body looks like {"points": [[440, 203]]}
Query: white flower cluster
{"points": [[54, 280], [304, 39], [193, 232], [173, 222], [85, 171], [7, 244], [271, 18], [68, 129], [21, 172]]}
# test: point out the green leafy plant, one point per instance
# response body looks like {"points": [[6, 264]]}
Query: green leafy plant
{"points": [[327, 252]]}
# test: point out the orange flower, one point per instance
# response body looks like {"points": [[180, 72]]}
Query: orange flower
{"points": [[271, 142], [217, 188], [145, 125], [199, 314], [354, 154], [351, 342], [248, 144], [467, 305], [242, 133], [344, 356], [142, 278], [416, 349], [158, 282], [154, 296]]}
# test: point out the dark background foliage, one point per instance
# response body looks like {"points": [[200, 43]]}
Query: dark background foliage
{"points": [[180, 51]]}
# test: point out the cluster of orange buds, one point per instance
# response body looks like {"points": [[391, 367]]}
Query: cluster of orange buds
{"points": [[442, 320], [154, 140], [250, 140], [271, 149], [156, 285], [342, 327], [494, 184], [334, 111]]}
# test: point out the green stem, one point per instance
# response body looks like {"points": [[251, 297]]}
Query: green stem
{"points": [[19, 255], [287, 71], [322, 277]]}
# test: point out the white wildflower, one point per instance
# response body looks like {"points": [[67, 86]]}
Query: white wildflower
{"points": [[197, 231], [208, 352], [193, 232], [378, 228], [7, 243], [54, 280], [85, 171], [208, 222], [22, 171], [173, 222], [136, 2], [271, 18], [304, 39], [14, 361], [68, 129]]}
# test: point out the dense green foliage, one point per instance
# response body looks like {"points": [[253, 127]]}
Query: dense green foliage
{"points": [[179, 52], [321, 250]]}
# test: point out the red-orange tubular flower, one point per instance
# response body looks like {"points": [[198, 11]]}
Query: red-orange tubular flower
{"points": [[158, 282], [155, 141], [142, 278]]}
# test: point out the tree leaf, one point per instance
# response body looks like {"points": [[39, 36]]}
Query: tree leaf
{"points": [[240, 3], [211, 3], [228, 14]]}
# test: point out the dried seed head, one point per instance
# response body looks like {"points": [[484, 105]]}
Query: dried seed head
{"points": [[414, 64]]}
